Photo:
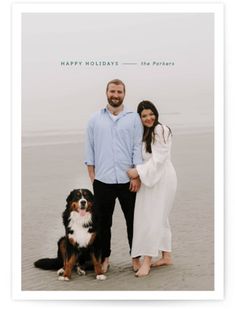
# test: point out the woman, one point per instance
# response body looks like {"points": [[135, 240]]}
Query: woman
{"points": [[156, 196]]}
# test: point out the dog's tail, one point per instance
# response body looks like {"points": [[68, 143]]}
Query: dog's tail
{"points": [[49, 264], [54, 263]]}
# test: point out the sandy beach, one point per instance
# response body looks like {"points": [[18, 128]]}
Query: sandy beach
{"points": [[51, 170]]}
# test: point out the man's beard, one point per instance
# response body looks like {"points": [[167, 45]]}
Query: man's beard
{"points": [[115, 102]]}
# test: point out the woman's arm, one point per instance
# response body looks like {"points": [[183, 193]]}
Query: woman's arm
{"points": [[152, 170]]}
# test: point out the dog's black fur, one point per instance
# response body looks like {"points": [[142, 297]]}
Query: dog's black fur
{"points": [[80, 247]]}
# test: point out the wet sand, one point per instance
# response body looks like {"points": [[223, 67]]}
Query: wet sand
{"points": [[51, 171]]}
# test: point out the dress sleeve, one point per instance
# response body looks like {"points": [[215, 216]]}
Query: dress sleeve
{"points": [[152, 170]]}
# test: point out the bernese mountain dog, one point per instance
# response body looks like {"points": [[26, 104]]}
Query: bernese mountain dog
{"points": [[80, 247]]}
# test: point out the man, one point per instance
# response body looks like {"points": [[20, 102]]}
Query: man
{"points": [[113, 145]]}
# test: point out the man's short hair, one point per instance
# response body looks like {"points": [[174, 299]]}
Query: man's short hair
{"points": [[116, 82]]}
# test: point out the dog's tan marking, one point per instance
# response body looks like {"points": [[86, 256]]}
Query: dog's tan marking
{"points": [[93, 236], [68, 266], [72, 240], [97, 265]]}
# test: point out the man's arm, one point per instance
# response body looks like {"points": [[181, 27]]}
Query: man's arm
{"points": [[91, 172], [135, 181], [89, 151]]}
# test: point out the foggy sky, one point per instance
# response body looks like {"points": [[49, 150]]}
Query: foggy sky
{"points": [[56, 97]]}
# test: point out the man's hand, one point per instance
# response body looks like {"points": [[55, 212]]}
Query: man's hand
{"points": [[135, 184]]}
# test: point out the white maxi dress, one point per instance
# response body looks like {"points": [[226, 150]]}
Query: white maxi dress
{"points": [[155, 198]]}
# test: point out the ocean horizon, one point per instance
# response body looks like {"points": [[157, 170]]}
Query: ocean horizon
{"points": [[54, 137]]}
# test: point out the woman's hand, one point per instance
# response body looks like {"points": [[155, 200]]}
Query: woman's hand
{"points": [[132, 173]]}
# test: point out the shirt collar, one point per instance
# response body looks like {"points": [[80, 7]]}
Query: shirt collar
{"points": [[123, 112]]}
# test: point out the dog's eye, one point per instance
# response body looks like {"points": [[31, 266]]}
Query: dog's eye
{"points": [[84, 193]]}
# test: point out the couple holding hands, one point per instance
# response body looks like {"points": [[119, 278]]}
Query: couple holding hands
{"points": [[128, 156]]}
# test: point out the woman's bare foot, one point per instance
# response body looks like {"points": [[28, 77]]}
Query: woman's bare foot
{"points": [[165, 260], [143, 271], [105, 265], [145, 268], [136, 264]]}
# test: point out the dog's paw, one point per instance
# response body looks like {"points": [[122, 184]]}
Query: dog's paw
{"points": [[101, 277], [60, 272], [81, 272], [62, 278]]}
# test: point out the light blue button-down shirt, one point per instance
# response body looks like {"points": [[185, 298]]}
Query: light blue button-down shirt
{"points": [[113, 145]]}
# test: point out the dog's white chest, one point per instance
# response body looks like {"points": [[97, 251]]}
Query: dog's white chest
{"points": [[80, 234]]}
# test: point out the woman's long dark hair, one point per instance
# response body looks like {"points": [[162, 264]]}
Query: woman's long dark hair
{"points": [[149, 135]]}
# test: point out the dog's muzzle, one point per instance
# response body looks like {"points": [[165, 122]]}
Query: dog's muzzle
{"points": [[83, 204]]}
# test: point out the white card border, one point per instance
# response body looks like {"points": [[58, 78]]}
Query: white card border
{"points": [[218, 293]]}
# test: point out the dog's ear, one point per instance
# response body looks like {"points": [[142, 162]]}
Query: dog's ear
{"points": [[72, 195], [90, 206], [74, 206], [90, 198]]}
